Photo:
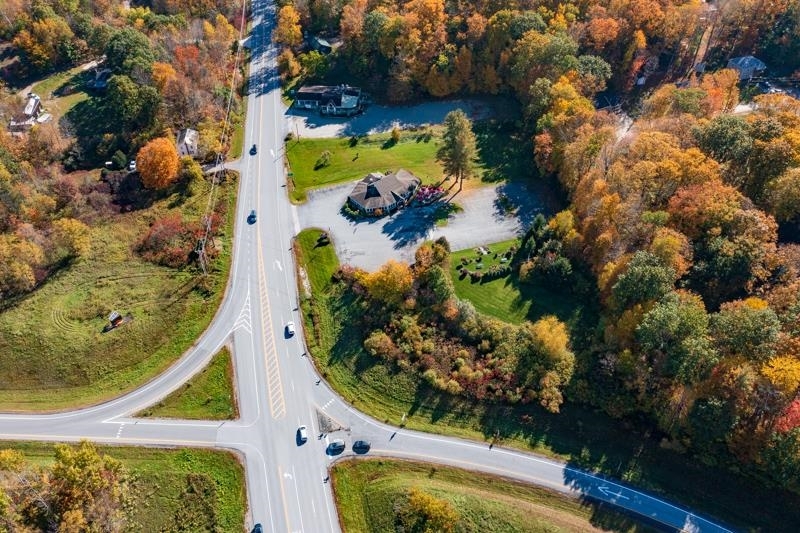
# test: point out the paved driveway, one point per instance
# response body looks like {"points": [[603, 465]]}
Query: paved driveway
{"points": [[371, 242]]}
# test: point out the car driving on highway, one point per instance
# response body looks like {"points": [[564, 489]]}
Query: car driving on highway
{"points": [[302, 434], [289, 329], [251, 218], [336, 447]]}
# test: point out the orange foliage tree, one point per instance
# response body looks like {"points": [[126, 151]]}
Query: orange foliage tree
{"points": [[158, 163]]}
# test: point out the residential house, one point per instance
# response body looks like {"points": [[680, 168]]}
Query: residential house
{"points": [[321, 45], [339, 100], [378, 193], [747, 66], [187, 142], [30, 115]]}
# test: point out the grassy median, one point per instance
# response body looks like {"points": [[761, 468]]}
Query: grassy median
{"points": [[369, 495], [207, 396]]}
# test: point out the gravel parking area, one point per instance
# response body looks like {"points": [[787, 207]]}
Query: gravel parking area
{"points": [[371, 242], [378, 118]]}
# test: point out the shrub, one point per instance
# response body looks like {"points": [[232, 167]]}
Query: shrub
{"points": [[169, 241], [324, 160], [395, 135]]}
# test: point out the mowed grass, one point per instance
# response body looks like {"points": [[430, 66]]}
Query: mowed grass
{"points": [[62, 90], [415, 152], [577, 435], [311, 251], [207, 396], [366, 492], [53, 352], [160, 482], [506, 298]]}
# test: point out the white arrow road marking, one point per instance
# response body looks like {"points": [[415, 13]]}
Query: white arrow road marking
{"points": [[287, 475], [278, 265], [272, 152], [607, 492]]}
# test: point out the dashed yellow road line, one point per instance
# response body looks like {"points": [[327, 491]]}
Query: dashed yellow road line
{"points": [[277, 405]]}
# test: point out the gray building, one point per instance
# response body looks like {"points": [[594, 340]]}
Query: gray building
{"points": [[378, 193], [187, 142], [747, 66]]}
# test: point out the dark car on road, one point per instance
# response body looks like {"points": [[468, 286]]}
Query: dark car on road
{"points": [[253, 150], [361, 446], [251, 218], [336, 447], [257, 529]]}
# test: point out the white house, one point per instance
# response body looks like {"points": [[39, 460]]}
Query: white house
{"points": [[187, 142]]}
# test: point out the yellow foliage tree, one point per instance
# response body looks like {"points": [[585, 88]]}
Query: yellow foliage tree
{"points": [[433, 514], [784, 372], [73, 236], [288, 30], [158, 163], [390, 283], [162, 74]]}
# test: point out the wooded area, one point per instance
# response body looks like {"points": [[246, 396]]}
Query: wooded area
{"points": [[673, 220]]}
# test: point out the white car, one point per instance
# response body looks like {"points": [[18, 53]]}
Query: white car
{"points": [[289, 329], [132, 165], [302, 434]]}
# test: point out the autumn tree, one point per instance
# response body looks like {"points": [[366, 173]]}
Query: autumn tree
{"points": [[783, 196], [458, 150], [72, 236], [288, 31], [390, 283], [158, 163], [90, 486], [18, 259], [426, 513]]}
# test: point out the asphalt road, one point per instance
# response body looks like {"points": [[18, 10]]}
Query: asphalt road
{"points": [[278, 389]]}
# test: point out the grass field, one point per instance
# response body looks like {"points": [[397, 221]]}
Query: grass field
{"points": [[415, 152], [53, 352], [577, 435], [506, 298], [160, 483], [207, 396], [366, 492]]}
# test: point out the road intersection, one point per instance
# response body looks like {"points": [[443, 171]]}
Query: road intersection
{"points": [[277, 386]]}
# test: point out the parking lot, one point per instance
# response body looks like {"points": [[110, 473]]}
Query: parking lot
{"points": [[370, 242]]}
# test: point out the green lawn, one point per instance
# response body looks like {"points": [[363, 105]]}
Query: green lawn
{"points": [[367, 490], [207, 396], [415, 152], [321, 254], [578, 435], [53, 352], [160, 484], [506, 298], [62, 90]]}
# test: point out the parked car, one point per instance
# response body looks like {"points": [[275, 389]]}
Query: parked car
{"points": [[132, 165], [302, 434], [361, 446], [289, 329], [336, 447], [251, 218]]}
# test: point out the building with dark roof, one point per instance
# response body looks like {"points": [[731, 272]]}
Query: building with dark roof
{"points": [[747, 66], [378, 194], [341, 100]]}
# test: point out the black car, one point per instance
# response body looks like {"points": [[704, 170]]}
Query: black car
{"points": [[251, 218], [253, 150], [336, 447], [361, 446], [257, 529]]}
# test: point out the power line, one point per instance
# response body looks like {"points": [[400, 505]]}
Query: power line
{"points": [[207, 217]]}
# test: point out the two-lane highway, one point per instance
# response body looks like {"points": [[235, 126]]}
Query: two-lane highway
{"points": [[277, 387]]}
